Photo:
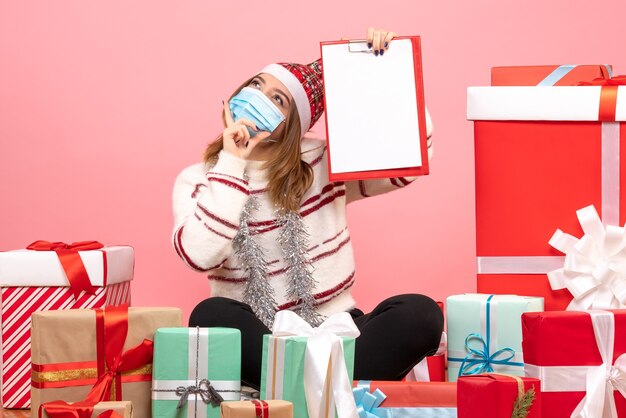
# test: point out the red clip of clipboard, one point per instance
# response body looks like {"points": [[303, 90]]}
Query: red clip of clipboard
{"points": [[419, 92]]}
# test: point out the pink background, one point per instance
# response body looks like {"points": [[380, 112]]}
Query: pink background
{"points": [[103, 103]]}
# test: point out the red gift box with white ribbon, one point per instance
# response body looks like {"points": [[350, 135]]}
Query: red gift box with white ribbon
{"points": [[542, 153], [580, 358]]}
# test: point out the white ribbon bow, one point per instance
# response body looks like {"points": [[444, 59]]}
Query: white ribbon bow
{"points": [[327, 383], [595, 266], [603, 379]]}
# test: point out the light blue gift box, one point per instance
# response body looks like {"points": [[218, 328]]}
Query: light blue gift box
{"points": [[485, 333]]}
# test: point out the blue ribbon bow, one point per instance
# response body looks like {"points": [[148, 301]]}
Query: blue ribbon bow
{"points": [[480, 360], [366, 402]]}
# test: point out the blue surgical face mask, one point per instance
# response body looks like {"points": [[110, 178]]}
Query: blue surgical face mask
{"points": [[253, 105]]}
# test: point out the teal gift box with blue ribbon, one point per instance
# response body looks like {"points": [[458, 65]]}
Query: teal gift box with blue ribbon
{"points": [[195, 369], [485, 333]]}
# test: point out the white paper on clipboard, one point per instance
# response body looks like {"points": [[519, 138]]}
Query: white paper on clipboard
{"points": [[371, 108]]}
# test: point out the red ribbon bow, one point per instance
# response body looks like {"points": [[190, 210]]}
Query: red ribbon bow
{"points": [[71, 262], [618, 80], [62, 409], [111, 331], [608, 95], [261, 408]]}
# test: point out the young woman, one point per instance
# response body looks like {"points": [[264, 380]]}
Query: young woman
{"points": [[260, 217]]}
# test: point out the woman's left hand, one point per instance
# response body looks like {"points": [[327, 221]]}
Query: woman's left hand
{"points": [[378, 40]]}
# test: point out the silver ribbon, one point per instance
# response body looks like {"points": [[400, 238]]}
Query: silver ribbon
{"points": [[556, 75], [207, 393], [562, 70]]}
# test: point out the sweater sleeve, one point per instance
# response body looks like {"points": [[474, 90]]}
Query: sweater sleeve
{"points": [[207, 207], [359, 189]]}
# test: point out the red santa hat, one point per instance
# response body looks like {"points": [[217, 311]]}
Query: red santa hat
{"points": [[305, 84]]}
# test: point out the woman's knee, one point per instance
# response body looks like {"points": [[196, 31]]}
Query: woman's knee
{"points": [[415, 305], [420, 313], [213, 311]]}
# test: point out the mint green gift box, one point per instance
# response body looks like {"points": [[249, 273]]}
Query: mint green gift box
{"points": [[485, 333], [282, 370], [183, 357]]}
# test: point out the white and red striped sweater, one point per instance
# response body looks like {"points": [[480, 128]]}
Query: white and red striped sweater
{"points": [[207, 207]]}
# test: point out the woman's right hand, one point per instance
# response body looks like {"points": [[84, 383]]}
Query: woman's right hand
{"points": [[237, 140]]}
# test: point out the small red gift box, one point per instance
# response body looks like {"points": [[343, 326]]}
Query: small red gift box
{"points": [[579, 357], [554, 75], [542, 153], [494, 395], [430, 369]]}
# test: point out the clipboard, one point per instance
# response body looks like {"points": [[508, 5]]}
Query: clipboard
{"points": [[374, 109]]}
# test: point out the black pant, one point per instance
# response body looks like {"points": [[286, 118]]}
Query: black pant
{"points": [[395, 336]]}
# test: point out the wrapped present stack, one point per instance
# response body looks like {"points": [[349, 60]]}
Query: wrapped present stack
{"points": [[50, 276], [542, 153], [548, 212]]}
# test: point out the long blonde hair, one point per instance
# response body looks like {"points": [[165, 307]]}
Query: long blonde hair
{"points": [[289, 177]]}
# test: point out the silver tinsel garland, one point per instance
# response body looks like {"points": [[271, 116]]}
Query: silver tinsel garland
{"points": [[293, 239], [258, 292]]}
